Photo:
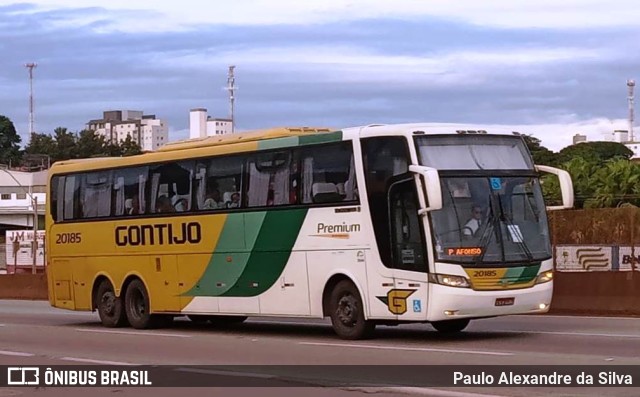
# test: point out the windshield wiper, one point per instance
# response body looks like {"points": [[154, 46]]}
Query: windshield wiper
{"points": [[485, 239], [513, 228]]}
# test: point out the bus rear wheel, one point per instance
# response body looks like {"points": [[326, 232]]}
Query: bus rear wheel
{"points": [[451, 326], [347, 312], [138, 309], [110, 308]]}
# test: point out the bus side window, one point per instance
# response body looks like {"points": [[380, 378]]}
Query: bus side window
{"points": [[328, 174], [172, 181], [130, 191], [219, 183], [269, 179]]}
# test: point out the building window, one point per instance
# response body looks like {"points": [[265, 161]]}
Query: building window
{"points": [[5, 196], [21, 196]]}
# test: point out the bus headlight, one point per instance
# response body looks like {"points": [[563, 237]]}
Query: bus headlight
{"points": [[449, 280], [544, 277]]}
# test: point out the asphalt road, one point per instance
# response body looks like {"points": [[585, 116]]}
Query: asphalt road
{"points": [[32, 333]]}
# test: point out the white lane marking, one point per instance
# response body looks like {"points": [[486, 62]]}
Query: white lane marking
{"points": [[420, 391], [16, 354], [89, 360], [421, 349], [101, 331], [573, 334], [225, 373]]}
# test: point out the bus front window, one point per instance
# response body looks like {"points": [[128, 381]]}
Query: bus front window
{"points": [[488, 219]]}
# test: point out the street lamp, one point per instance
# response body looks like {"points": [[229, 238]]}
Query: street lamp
{"points": [[34, 202]]}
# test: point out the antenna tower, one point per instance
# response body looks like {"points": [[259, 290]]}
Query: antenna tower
{"points": [[231, 87], [631, 84], [30, 66]]}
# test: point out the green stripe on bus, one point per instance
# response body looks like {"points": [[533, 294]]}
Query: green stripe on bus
{"points": [[278, 143], [270, 253], [228, 261], [522, 274], [528, 273], [252, 224], [320, 138]]}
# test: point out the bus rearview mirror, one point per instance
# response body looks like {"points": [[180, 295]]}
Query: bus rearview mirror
{"points": [[433, 191], [566, 186]]}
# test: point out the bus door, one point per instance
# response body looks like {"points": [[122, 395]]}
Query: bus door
{"points": [[408, 251]]}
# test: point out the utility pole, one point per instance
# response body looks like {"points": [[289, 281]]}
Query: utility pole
{"points": [[30, 66], [231, 81]]}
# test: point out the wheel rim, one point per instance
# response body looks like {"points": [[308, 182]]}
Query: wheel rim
{"points": [[108, 303], [347, 310], [137, 306]]}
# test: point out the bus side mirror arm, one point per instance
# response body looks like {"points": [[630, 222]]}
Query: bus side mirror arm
{"points": [[433, 192], [566, 186]]}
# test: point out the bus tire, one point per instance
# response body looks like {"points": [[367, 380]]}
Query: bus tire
{"points": [[347, 312], [136, 304], [110, 307], [451, 326]]}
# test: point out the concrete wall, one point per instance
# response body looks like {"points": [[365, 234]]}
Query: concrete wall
{"points": [[23, 286]]}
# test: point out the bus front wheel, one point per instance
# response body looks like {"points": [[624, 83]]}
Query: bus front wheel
{"points": [[451, 326], [347, 312], [110, 307]]}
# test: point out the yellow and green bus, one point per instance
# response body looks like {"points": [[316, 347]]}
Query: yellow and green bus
{"points": [[381, 224]]}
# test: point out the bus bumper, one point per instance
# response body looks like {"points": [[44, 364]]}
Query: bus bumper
{"points": [[448, 303]]}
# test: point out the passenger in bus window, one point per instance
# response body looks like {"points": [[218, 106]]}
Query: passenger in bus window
{"points": [[135, 206], [180, 204], [235, 201], [164, 205], [213, 200]]}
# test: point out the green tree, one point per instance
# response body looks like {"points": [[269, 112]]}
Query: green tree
{"points": [[615, 184], [90, 144], [541, 155], [595, 151], [65, 148], [129, 147], [40, 144], [9, 142]]}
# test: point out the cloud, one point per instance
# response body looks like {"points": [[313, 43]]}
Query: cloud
{"points": [[150, 15], [336, 70]]}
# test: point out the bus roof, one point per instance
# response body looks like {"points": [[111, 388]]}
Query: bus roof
{"points": [[226, 143], [428, 129], [249, 136]]}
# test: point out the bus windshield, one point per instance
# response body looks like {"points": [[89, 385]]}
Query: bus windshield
{"points": [[493, 210], [491, 220]]}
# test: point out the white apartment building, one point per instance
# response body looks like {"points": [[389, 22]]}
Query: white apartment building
{"points": [[146, 130], [201, 125]]}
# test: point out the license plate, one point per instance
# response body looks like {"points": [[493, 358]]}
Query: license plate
{"points": [[505, 301]]}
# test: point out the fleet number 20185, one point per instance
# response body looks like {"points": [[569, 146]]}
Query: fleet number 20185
{"points": [[68, 238]]}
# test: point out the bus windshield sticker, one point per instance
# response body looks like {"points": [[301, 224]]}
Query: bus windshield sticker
{"points": [[516, 234], [496, 183]]}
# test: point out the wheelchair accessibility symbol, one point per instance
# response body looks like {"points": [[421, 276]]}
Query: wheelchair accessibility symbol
{"points": [[496, 183], [417, 306]]}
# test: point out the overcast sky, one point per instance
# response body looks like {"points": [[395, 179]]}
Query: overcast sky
{"points": [[549, 68]]}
